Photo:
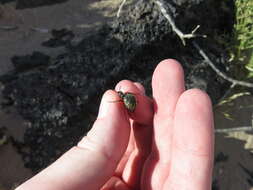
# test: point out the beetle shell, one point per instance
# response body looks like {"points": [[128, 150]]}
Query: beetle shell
{"points": [[129, 100]]}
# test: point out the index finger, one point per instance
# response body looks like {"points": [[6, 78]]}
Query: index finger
{"points": [[141, 133], [143, 112]]}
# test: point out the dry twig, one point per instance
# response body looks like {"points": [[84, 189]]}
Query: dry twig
{"points": [[180, 34], [183, 36], [234, 129], [120, 8], [221, 74]]}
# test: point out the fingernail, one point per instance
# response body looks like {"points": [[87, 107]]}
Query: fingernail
{"points": [[118, 88], [103, 108]]}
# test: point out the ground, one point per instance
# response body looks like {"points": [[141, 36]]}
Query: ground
{"points": [[81, 16]]}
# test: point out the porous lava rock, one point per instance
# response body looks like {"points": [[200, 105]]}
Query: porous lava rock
{"points": [[60, 99]]}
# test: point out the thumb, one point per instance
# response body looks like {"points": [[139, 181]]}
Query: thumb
{"points": [[93, 161]]}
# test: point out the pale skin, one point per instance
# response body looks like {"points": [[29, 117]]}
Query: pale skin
{"points": [[165, 144]]}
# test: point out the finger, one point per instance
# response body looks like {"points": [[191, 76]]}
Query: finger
{"points": [[143, 112], [94, 160], [167, 85], [142, 137], [193, 140], [140, 87]]}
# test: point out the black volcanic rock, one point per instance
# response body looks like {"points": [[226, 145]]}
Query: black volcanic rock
{"points": [[60, 100], [22, 4]]}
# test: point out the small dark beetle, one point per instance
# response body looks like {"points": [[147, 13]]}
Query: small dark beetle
{"points": [[129, 100]]}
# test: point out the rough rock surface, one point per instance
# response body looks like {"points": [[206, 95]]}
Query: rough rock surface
{"points": [[59, 99], [22, 4], [5, 1]]}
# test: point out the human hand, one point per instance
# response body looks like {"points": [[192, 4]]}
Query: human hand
{"points": [[171, 148]]}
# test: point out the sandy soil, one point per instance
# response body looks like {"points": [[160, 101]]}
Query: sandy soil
{"points": [[79, 16], [236, 147]]}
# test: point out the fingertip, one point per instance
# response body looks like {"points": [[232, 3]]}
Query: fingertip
{"points": [[143, 113], [127, 86], [168, 85], [109, 103], [195, 100], [140, 87], [194, 122], [195, 92], [112, 123], [110, 95], [168, 66], [122, 83], [130, 86]]}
